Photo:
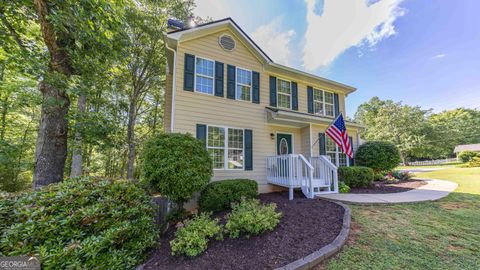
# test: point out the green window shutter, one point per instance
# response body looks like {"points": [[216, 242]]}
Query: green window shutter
{"points": [[310, 99], [218, 79], [248, 150], [189, 72], [202, 134], [336, 103], [352, 160], [230, 82], [322, 144], [255, 87], [294, 96], [273, 91]]}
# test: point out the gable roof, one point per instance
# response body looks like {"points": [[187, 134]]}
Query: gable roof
{"points": [[467, 147], [203, 29]]}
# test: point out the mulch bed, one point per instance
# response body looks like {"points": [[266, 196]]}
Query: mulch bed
{"points": [[307, 225], [381, 187]]}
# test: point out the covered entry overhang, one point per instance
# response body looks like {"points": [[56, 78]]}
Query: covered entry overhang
{"points": [[284, 117]]}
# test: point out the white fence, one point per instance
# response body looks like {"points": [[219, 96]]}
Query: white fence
{"points": [[430, 162]]}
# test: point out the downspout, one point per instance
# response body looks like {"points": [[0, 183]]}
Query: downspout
{"points": [[174, 83]]}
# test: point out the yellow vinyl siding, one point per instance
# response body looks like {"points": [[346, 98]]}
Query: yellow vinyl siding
{"points": [[193, 108]]}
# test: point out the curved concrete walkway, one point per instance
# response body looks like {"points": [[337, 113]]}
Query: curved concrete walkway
{"points": [[433, 190]]}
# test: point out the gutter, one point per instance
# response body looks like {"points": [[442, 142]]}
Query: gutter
{"points": [[174, 83]]}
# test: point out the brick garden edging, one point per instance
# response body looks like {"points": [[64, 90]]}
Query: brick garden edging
{"points": [[327, 251]]}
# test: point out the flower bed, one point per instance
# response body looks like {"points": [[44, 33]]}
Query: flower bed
{"points": [[305, 227]]}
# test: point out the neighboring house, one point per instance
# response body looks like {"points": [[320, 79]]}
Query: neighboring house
{"points": [[467, 147], [259, 119]]}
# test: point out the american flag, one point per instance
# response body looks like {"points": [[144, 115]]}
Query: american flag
{"points": [[338, 132]]}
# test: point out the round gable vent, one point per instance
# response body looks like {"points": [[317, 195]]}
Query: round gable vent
{"points": [[227, 42]]}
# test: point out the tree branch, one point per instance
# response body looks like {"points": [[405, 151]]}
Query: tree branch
{"points": [[10, 28]]}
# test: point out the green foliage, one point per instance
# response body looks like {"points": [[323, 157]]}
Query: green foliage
{"points": [[378, 155], [192, 239], [356, 176], [474, 162], [177, 215], [378, 176], [249, 217], [11, 178], [218, 196], [343, 188], [402, 175], [176, 165], [81, 223], [466, 156]]}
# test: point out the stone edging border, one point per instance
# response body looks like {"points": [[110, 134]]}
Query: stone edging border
{"points": [[327, 251]]}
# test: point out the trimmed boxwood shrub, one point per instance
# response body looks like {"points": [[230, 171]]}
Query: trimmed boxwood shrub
{"points": [[466, 156], [356, 176], [218, 196], [378, 155], [176, 165], [81, 223]]}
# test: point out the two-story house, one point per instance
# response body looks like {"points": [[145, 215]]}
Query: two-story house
{"points": [[258, 119]]}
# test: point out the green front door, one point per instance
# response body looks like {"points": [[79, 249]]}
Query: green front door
{"points": [[284, 144]]}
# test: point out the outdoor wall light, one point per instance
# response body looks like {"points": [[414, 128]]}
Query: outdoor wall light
{"points": [[272, 136]]}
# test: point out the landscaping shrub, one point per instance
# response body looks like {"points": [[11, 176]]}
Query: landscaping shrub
{"points": [[378, 176], [378, 155], [474, 162], [249, 217], [466, 156], [402, 175], [343, 188], [176, 165], [356, 176], [192, 239], [81, 223], [218, 196]]}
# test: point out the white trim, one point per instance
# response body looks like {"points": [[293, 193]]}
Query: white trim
{"points": [[251, 83], [287, 133], [226, 148], [324, 102], [205, 76], [290, 95], [174, 83]]}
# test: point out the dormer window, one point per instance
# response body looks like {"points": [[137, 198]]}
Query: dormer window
{"points": [[323, 103], [284, 94]]}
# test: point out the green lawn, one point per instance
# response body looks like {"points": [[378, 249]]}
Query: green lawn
{"points": [[433, 235]]}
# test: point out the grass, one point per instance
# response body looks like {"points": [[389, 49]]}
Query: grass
{"points": [[434, 235]]}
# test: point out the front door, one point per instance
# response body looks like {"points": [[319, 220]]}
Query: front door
{"points": [[284, 144]]}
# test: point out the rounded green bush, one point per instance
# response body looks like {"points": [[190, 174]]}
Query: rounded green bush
{"points": [[81, 223], [356, 176], [466, 156], [343, 188], [378, 155], [219, 195], [176, 165]]}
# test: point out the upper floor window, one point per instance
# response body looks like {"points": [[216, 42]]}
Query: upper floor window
{"points": [[225, 145], [284, 94], [244, 84], [204, 70], [323, 103]]}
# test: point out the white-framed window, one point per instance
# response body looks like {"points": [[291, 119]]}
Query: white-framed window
{"points": [[334, 153], [225, 145], [204, 75], [323, 103], [244, 84], [284, 94]]}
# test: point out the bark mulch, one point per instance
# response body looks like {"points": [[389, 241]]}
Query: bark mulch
{"points": [[307, 225], [381, 187]]}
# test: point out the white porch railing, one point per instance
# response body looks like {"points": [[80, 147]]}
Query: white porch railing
{"points": [[315, 176]]}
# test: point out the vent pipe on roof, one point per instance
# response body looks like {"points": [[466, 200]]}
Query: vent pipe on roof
{"points": [[174, 24]]}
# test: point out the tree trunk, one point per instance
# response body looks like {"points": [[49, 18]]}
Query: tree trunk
{"points": [[404, 159], [132, 115], [77, 148], [51, 146]]}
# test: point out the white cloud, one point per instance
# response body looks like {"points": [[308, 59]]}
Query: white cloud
{"points": [[274, 41], [344, 24], [438, 56], [212, 8]]}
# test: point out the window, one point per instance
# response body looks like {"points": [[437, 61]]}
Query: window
{"points": [[334, 153], [284, 93], [204, 70], [323, 103], [225, 145], [244, 84]]}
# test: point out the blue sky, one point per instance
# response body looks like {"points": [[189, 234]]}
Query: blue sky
{"points": [[421, 52]]}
